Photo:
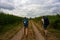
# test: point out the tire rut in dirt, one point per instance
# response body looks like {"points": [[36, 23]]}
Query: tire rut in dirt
{"points": [[37, 33], [30, 35]]}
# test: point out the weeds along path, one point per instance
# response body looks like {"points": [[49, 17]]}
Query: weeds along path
{"points": [[31, 35], [9, 34], [50, 36], [34, 32], [39, 27], [37, 33], [18, 36]]}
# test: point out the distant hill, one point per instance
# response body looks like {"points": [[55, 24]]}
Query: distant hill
{"points": [[54, 21], [9, 19], [9, 23]]}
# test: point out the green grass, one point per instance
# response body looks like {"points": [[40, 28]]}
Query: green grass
{"points": [[9, 19], [8, 22], [7, 28], [54, 26], [55, 32], [53, 20], [37, 19]]}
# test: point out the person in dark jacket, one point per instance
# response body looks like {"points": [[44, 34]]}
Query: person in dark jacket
{"points": [[25, 26], [45, 23]]}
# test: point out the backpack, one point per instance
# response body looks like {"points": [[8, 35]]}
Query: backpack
{"points": [[46, 21], [25, 21]]}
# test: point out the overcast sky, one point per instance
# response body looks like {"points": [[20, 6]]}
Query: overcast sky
{"points": [[30, 8]]}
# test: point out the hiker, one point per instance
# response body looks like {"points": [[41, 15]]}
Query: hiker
{"points": [[25, 26], [45, 23]]}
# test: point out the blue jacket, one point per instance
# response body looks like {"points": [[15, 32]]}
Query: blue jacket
{"points": [[25, 22]]}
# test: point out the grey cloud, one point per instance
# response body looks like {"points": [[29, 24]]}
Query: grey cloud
{"points": [[57, 0], [51, 6], [56, 10], [30, 14], [31, 8], [10, 1], [6, 6]]}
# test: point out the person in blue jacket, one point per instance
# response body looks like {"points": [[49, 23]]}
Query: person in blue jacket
{"points": [[25, 26], [45, 22]]}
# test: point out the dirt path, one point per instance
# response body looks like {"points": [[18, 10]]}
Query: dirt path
{"points": [[33, 33], [18, 36], [50, 35], [37, 33]]}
